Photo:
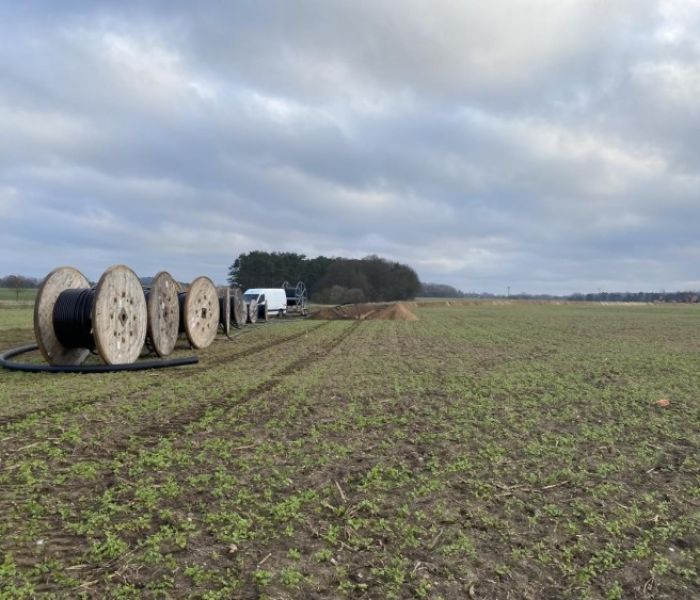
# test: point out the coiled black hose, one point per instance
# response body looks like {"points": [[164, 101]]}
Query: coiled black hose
{"points": [[137, 366]]}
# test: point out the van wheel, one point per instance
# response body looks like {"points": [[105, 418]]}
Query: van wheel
{"points": [[280, 313]]}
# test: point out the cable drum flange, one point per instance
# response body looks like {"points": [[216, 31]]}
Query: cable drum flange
{"points": [[199, 312], [51, 348], [119, 316], [239, 310], [163, 309]]}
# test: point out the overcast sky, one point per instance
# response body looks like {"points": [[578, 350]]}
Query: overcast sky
{"points": [[546, 145]]}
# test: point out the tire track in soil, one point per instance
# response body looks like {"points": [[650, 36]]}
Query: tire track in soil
{"points": [[262, 347], [180, 422], [157, 431], [151, 436], [71, 405], [248, 560]]}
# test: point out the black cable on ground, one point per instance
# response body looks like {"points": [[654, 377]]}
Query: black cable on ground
{"points": [[38, 368]]}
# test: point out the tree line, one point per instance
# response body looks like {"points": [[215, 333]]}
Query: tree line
{"points": [[19, 282], [689, 297], [328, 280], [439, 290], [370, 279], [684, 297]]}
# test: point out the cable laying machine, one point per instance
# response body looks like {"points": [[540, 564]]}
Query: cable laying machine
{"points": [[296, 298]]}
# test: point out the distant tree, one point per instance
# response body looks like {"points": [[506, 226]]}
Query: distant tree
{"points": [[14, 283], [377, 278], [336, 295], [313, 271], [354, 296], [439, 290], [684, 296], [266, 269], [19, 283], [372, 278], [345, 273]]}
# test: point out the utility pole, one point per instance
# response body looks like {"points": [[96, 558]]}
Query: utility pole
{"points": [[508, 295]]}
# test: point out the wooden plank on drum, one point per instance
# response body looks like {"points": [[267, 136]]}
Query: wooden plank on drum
{"points": [[252, 311], [239, 309]]}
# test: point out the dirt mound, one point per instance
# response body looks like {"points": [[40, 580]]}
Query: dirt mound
{"points": [[360, 312], [393, 312], [326, 314], [347, 312]]}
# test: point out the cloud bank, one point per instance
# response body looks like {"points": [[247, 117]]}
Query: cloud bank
{"points": [[548, 145]]}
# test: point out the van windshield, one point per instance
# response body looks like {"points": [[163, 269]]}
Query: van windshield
{"points": [[249, 297]]}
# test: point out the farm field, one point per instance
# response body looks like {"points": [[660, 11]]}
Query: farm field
{"points": [[12, 299], [14, 295], [484, 451]]}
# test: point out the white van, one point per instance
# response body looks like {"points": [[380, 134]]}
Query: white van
{"points": [[274, 298]]}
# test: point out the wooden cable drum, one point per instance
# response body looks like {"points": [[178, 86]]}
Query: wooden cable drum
{"points": [[199, 312], [252, 311], [239, 310], [225, 310], [51, 348], [163, 309], [71, 319]]}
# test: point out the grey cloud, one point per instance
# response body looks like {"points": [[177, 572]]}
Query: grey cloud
{"points": [[549, 148]]}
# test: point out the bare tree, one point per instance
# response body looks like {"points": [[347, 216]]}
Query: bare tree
{"points": [[15, 282]]}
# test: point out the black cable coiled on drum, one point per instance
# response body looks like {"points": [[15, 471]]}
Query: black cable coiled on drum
{"points": [[72, 318], [181, 300], [222, 315], [149, 342]]}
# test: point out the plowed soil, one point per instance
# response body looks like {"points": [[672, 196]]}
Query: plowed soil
{"points": [[360, 312], [393, 312]]}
